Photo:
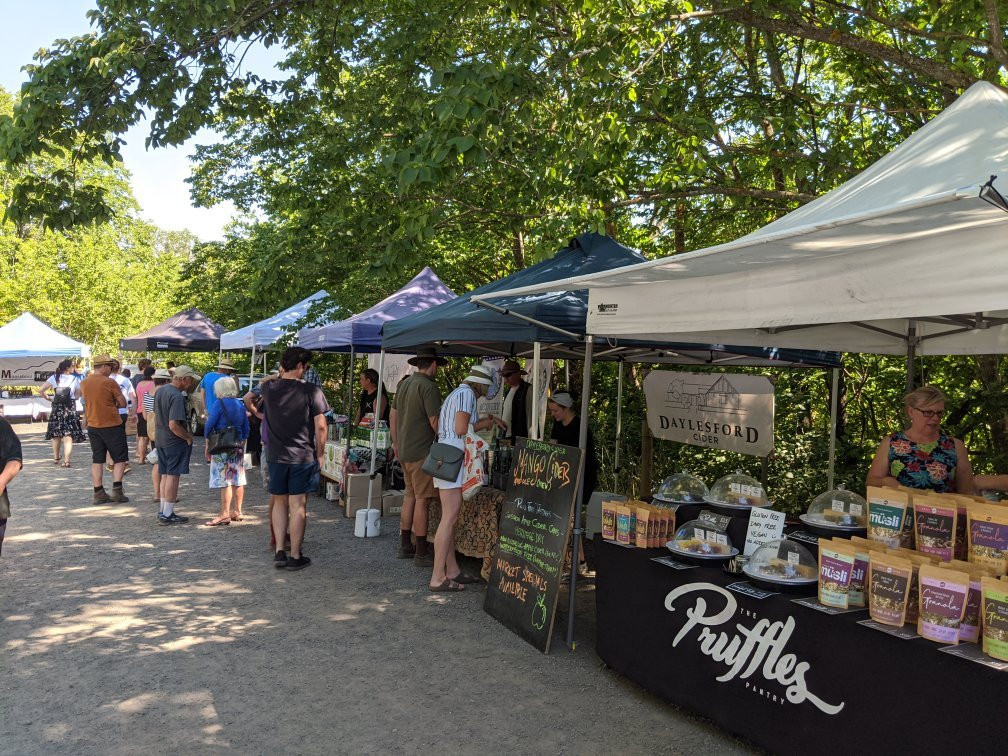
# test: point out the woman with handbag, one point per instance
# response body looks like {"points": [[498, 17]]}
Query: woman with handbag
{"points": [[454, 423], [226, 429], [63, 390]]}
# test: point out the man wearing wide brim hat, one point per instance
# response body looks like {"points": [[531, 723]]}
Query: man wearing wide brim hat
{"points": [[223, 369], [517, 412], [106, 434], [413, 422]]}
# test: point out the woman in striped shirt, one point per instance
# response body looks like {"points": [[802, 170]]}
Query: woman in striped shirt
{"points": [[457, 412]]}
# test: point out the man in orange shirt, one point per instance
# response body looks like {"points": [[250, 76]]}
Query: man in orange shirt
{"points": [[102, 400]]}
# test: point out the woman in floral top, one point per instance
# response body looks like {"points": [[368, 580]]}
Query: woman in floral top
{"points": [[922, 456]]}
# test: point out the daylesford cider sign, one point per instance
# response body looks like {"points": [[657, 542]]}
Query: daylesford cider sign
{"points": [[722, 411]]}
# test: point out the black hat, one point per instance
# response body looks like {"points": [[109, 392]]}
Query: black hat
{"points": [[428, 353]]}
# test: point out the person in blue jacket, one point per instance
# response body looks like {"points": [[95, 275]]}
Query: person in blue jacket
{"points": [[227, 469]]}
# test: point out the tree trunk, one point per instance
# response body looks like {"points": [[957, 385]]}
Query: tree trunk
{"points": [[646, 460], [989, 372]]}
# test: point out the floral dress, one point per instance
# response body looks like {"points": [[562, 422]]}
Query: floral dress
{"points": [[63, 419], [925, 466]]}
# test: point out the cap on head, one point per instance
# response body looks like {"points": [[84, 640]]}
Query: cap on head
{"points": [[563, 399], [184, 371]]}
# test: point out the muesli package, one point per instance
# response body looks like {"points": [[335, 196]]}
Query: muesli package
{"points": [[887, 512], [643, 527], [963, 503], [935, 526], [908, 536], [623, 524], [969, 628], [988, 537], [913, 598], [859, 574], [995, 617], [836, 566], [609, 520], [888, 587], [942, 603]]}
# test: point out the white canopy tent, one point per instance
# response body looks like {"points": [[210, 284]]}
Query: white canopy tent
{"points": [[30, 351], [904, 258]]}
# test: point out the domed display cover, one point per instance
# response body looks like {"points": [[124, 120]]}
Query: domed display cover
{"points": [[783, 562], [737, 490], [681, 488], [702, 540], [837, 510]]}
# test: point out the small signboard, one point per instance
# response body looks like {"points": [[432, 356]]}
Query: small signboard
{"points": [[532, 541], [765, 525]]}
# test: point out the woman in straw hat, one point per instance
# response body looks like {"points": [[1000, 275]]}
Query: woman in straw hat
{"points": [[457, 412]]}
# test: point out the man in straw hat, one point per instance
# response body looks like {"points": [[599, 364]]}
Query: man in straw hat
{"points": [[222, 370], [174, 441], [517, 410], [413, 424], [102, 401]]}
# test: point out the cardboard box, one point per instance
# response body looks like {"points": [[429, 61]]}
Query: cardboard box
{"points": [[357, 486], [391, 505], [332, 491], [356, 503]]}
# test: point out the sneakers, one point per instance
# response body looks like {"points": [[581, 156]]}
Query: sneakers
{"points": [[280, 560], [297, 564], [119, 496], [172, 519], [101, 497]]}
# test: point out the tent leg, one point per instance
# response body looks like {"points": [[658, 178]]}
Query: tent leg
{"points": [[535, 432], [619, 425], [251, 366], [911, 355], [374, 433], [834, 400], [349, 412], [579, 497]]}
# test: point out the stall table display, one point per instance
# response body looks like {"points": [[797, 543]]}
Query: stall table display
{"points": [[790, 677], [30, 406], [476, 528]]}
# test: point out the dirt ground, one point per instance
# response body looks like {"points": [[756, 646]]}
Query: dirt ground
{"points": [[122, 636]]}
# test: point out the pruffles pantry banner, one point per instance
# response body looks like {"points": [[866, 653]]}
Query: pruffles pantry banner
{"points": [[727, 411]]}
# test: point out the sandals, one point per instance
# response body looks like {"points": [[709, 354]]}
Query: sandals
{"points": [[65, 464], [237, 518], [448, 586], [464, 578], [218, 521]]}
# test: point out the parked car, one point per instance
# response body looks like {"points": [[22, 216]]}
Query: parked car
{"points": [[197, 403]]}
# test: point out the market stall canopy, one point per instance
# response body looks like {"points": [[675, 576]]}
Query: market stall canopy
{"points": [[27, 336], [271, 330], [363, 330], [461, 327], [186, 331], [908, 253]]}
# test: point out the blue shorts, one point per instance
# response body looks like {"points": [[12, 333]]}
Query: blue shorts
{"points": [[174, 459], [293, 480]]}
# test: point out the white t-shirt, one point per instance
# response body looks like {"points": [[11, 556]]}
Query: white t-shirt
{"points": [[66, 380], [127, 391]]}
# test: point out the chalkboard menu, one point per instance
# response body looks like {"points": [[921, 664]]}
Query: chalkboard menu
{"points": [[534, 530]]}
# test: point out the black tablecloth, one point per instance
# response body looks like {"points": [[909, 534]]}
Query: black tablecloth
{"points": [[894, 695]]}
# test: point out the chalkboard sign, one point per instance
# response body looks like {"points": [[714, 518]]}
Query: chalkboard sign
{"points": [[534, 529]]}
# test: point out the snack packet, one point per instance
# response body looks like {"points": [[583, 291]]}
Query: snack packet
{"points": [[935, 526], [888, 587], [995, 617], [859, 574], [623, 524], [644, 527], [988, 537], [609, 520], [887, 508], [943, 595], [836, 565]]}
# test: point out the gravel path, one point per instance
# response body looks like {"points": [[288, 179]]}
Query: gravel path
{"points": [[122, 636]]}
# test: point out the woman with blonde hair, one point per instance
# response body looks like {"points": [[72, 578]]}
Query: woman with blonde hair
{"points": [[922, 455], [227, 468], [457, 412]]}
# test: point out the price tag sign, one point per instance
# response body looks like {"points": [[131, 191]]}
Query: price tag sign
{"points": [[765, 525], [856, 509], [838, 505]]}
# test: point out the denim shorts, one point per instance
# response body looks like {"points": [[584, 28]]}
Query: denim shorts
{"points": [[293, 480], [174, 459]]}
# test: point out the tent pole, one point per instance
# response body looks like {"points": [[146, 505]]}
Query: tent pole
{"points": [[911, 354], [535, 432], [349, 410], [374, 433], [832, 434], [252, 365], [619, 425], [579, 497]]}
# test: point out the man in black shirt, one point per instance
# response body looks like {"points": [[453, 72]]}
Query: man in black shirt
{"points": [[518, 401], [567, 431], [10, 465], [369, 382]]}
